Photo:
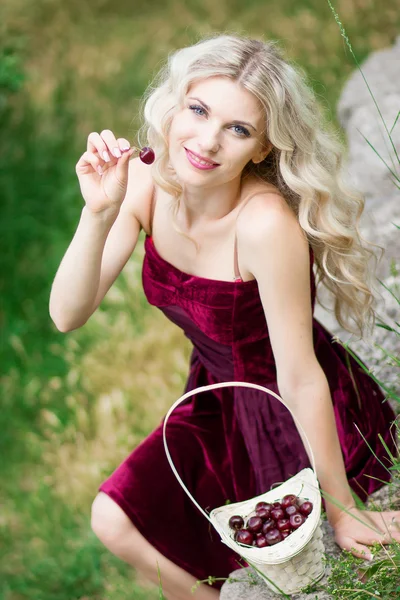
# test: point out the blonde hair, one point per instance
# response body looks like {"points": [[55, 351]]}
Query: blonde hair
{"points": [[305, 163]]}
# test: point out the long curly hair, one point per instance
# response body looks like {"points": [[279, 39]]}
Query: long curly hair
{"points": [[305, 162]]}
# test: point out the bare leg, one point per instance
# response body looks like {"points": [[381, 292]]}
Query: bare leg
{"points": [[117, 532]]}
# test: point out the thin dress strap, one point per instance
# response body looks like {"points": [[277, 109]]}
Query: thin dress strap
{"points": [[238, 277], [152, 209], [236, 264]]}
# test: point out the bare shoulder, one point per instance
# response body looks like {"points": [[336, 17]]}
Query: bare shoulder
{"points": [[265, 209], [139, 192], [274, 249], [268, 227]]}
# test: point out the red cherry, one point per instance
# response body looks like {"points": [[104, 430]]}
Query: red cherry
{"points": [[147, 155], [273, 537], [291, 510], [268, 525], [277, 513], [288, 500], [254, 524], [263, 505], [296, 520], [285, 533], [276, 505], [236, 522], [306, 508], [261, 542], [283, 524], [264, 512], [244, 537]]}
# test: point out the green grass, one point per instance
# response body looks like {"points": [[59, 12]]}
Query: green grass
{"points": [[73, 406]]}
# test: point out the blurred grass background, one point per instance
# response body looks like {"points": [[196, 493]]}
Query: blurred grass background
{"points": [[73, 406]]}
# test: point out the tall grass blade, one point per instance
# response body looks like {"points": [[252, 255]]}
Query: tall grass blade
{"points": [[264, 576], [395, 359], [390, 291], [390, 393], [388, 328], [334, 501], [394, 124], [344, 35], [382, 159], [393, 459], [371, 449], [160, 590]]}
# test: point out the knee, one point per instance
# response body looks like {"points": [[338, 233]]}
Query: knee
{"points": [[108, 521]]}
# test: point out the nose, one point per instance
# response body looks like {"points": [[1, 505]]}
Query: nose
{"points": [[208, 140]]}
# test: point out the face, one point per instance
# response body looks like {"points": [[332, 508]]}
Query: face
{"points": [[219, 129]]}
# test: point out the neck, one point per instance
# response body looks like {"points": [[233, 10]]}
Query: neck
{"points": [[203, 206]]}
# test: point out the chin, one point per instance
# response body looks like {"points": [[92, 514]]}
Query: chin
{"points": [[185, 173]]}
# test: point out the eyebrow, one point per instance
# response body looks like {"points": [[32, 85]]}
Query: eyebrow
{"points": [[234, 122]]}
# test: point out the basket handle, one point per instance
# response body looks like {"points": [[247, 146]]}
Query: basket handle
{"points": [[212, 386]]}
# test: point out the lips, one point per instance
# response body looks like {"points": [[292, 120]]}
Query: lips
{"points": [[209, 162]]}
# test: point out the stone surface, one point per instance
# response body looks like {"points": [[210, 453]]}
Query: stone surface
{"points": [[357, 113], [360, 119]]}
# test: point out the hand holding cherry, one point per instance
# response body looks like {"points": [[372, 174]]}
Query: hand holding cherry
{"points": [[103, 170], [271, 523]]}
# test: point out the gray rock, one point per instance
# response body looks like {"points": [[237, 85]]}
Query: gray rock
{"points": [[360, 119], [357, 112]]}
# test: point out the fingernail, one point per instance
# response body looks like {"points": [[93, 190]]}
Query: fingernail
{"points": [[117, 152], [370, 556], [106, 156], [100, 170], [125, 147]]}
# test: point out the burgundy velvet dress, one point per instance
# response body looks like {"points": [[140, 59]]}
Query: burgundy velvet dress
{"points": [[234, 443]]}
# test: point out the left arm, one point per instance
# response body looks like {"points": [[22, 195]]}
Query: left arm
{"points": [[277, 254], [275, 250], [312, 405]]}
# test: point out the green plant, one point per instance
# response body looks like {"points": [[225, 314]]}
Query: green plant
{"points": [[349, 577], [68, 414]]}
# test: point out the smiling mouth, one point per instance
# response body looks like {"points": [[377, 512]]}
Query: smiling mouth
{"points": [[200, 161]]}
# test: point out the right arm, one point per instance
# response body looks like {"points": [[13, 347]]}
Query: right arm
{"points": [[104, 240]]}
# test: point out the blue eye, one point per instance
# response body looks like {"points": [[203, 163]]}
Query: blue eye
{"points": [[194, 108], [241, 131]]}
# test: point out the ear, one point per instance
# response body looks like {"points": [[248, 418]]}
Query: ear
{"points": [[262, 154]]}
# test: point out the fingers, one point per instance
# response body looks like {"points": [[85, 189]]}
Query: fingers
{"points": [[358, 550], [104, 150], [88, 163], [107, 146], [392, 532], [123, 165], [361, 551], [389, 524]]}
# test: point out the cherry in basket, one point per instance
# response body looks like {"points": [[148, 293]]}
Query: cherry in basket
{"points": [[244, 537], [236, 522], [288, 500], [305, 508], [271, 523]]}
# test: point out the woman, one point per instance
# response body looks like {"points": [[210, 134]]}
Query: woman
{"points": [[244, 197]]}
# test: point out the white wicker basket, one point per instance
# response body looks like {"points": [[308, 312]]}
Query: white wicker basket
{"points": [[295, 562]]}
